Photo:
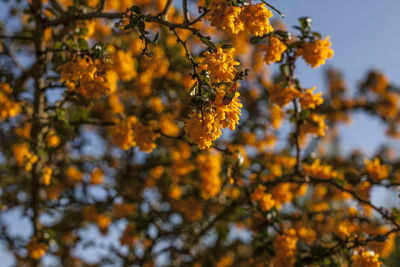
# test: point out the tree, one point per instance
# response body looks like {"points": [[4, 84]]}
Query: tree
{"points": [[158, 124]]}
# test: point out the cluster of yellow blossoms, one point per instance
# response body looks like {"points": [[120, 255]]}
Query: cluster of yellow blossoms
{"points": [[130, 132], [318, 170], [264, 199], [23, 155], [36, 249], [220, 65], [8, 108], [205, 128], [285, 248], [316, 52], [253, 19], [375, 170], [86, 77], [273, 50], [209, 168], [366, 259]]}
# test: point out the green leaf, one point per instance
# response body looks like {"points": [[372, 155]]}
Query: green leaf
{"points": [[317, 34], [283, 34], [285, 70], [83, 44], [257, 39], [208, 42], [226, 46], [57, 45], [305, 22]]}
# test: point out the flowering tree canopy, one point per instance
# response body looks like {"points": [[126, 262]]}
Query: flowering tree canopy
{"points": [[154, 132]]}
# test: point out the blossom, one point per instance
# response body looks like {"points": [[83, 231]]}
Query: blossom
{"points": [[264, 199], [316, 52], [315, 125], [8, 108], [122, 133], [225, 17], [228, 115], [46, 176], [282, 97], [97, 176], [220, 65], [310, 101], [286, 248], [375, 170], [209, 167], [256, 19], [36, 249], [273, 50], [23, 155], [145, 136], [366, 259], [318, 170], [203, 129]]}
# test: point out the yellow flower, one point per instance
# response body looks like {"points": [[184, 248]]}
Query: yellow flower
{"points": [[280, 96], [228, 115], [375, 170], [168, 125], [310, 101], [8, 108], [273, 50], [73, 175], [256, 19], [264, 199], [285, 246], [315, 53], [209, 167], [53, 140], [46, 176], [145, 136], [175, 192], [203, 129], [96, 176], [225, 17], [220, 65], [36, 249], [315, 126], [103, 222], [125, 65], [318, 170], [366, 259], [122, 133], [23, 155], [115, 104]]}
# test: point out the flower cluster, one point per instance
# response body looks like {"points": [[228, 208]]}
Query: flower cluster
{"points": [[286, 248], [205, 128], [8, 108], [318, 170], [273, 50], [264, 199], [87, 77], [130, 132], [316, 52], [220, 65], [209, 168], [232, 19], [375, 170], [24, 156], [366, 259]]}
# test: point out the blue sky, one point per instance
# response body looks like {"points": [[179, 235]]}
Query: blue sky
{"points": [[364, 36]]}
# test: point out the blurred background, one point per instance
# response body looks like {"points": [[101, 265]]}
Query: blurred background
{"points": [[364, 37]]}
